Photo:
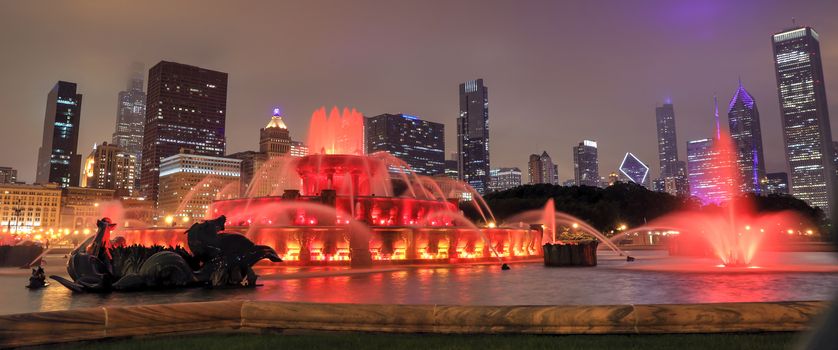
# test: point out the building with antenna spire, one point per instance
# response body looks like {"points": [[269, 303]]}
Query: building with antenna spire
{"points": [[716, 114]]}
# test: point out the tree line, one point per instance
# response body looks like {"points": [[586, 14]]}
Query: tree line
{"points": [[626, 203]]}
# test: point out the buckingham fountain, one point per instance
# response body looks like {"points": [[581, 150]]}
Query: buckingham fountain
{"points": [[339, 206]]}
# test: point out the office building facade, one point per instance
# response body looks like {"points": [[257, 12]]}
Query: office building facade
{"points": [[473, 135], [542, 170], [419, 143], [704, 175], [776, 183], [110, 167], [58, 158], [586, 164], [8, 175], [805, 119], [190, 182], [29, 208], [667, 140], [186, 108], [505, 178]]}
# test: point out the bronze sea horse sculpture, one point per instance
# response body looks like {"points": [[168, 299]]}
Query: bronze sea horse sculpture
{"points": [[226, 259], [92, 266]]}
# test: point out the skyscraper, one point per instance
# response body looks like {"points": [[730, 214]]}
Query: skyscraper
{"points": [[776, 183], [264, 173], [542, 170], [473, 135], [180, 177], [678, 185], [505, 178], [673, 172], [130, 119], [419, 143], [274, 138], [298, 149], [805, 118], [634, 170], [451, 169], [8, 175], [58, 159], [186, 109], [109, 167], [586, 164], [705, 184], [743, 119], [667, 140]]}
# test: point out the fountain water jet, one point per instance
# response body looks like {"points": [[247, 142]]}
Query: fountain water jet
{"points": [[736, 232]]}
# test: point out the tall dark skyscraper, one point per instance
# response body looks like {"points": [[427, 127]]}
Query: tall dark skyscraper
{"points": [[419, 143], [586, 164], [130, 118], [186, 109], [58, 158], [805, 118], [673, 172], [667, 142], [743, 119], [473, 135]]}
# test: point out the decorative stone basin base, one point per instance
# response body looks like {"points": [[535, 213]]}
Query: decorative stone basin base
{"points": [[577, 253]]}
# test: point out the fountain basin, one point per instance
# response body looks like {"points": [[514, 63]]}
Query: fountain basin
{"points": [[333, 245], [576, 253]]}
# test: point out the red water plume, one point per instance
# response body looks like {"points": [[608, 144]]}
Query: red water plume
{"points": [[337, 133], [734, 232]]}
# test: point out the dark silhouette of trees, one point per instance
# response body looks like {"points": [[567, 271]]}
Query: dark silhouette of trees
{"points": [[622, 203]]}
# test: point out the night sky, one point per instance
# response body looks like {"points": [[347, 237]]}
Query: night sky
{"points": [[557, 71]]}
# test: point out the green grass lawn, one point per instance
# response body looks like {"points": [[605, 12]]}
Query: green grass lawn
{"points": [[323, 340]]}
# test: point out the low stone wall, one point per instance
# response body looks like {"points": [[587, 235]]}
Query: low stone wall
{"points": [[121, 321]]}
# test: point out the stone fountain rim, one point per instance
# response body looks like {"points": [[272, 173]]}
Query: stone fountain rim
{"points": [[125, 321]]}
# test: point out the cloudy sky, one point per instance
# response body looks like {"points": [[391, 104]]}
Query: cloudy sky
{"points": [[557, 71]]}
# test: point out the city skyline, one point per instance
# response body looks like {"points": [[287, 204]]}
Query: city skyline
{"points": [[516, 96]]}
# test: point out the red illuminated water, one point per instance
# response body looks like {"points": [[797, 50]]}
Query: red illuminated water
{"points": [[336, 133], [735, 233]]}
